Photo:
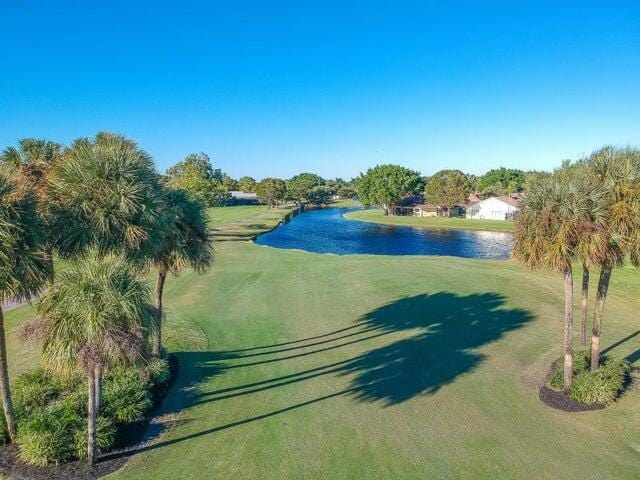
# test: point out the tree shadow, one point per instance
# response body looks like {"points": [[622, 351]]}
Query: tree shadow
{"points": [[450, 330]]}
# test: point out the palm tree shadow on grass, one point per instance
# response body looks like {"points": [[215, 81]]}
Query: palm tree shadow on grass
{"points": [[449, 330]]}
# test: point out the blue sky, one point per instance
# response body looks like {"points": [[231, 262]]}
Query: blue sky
{"points": [[275, 88]]}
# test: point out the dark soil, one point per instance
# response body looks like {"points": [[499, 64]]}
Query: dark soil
{"points": [[561, 401], [132, 437]]}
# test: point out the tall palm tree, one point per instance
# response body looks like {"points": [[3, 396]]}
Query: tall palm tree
{"points": [[184, 243], [547, 235], [106, 195], [23, 268], [31, 161], [617, 172], [94, 317]]}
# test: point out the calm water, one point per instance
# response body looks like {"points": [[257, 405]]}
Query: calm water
{"points": [[326, 231]]}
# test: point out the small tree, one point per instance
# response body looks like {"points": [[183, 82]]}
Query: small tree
{"points": [[247, 184], [447, 188], [271, 191], [300, 186], [320, 195], [94, 317], [23, 268], [386, 185], [183, 243], [196, 176]]}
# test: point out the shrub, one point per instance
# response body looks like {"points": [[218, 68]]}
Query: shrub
{"points": [[44, 439], [581, 362], [602, 385], [105, 436], [126, 397], [34, 390], [158, 371]]}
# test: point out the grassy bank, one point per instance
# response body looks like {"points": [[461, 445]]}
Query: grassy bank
{"points": [[377, 216], [297, 365]]}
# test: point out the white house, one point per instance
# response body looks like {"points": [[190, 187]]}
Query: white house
{"points": [[495, 208]]}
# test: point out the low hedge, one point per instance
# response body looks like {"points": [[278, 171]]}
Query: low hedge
{"points": [[52, 413], [601, 386]]}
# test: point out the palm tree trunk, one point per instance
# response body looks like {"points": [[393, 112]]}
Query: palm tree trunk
{"points": [[584, 307], [568, 327], [92, 413], [157, 333], [48, 257], [98, 387], [5, 389], [601, 296]]}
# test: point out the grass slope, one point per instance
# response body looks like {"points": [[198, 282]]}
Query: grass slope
{"points": [[298, 365], [377, 216]]}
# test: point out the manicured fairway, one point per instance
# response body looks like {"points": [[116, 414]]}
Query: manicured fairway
{"points": [[298, 365], [432, 222]]}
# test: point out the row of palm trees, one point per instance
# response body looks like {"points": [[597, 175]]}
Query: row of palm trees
{"points": [[586, 213], [101, 207]]}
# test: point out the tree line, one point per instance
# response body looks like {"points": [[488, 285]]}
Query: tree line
{"points": [[100, 207], [387, 185]]}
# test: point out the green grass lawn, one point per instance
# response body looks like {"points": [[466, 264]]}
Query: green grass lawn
{"points": [[298, 365], [377, 216]]}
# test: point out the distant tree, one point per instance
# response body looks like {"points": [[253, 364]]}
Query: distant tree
{"points": [[386, 185], [196, 176], [183, 243], [228, 183], [501, 181], [247, 184], [347, 191], [299, 186], [320, 195], [271, 191], [446, 188], [23, 268]]}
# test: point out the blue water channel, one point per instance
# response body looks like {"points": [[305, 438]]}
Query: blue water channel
{"points": [[327, 231]]}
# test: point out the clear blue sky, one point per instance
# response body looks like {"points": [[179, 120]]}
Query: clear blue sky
{"points": [[275, 88]]}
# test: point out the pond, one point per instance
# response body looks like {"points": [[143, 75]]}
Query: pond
{"points": [[327, 231]]}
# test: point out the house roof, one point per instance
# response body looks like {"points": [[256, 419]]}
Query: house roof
{"points": [[514, 200], [243, 195]]}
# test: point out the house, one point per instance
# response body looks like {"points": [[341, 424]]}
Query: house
{"points": [[243, 198], [431, 210], [496, 208]]}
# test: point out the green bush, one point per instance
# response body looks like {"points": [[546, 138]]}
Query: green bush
{"points": [[581, 363], [105, 436], [34, 390], [44, 439], [158, 371], [126, 396], [602, 385]]}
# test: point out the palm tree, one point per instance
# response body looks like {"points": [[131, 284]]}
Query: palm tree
{"points": [[547, 236], [94, 317], [31, 161], [184, 243], [23, 268], [617, 172], [106, 196]]}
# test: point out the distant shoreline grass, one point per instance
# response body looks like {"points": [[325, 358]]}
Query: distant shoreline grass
{"points": [[376, 216]]}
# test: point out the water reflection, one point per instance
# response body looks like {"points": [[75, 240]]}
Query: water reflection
{"points": [[326, 231]]}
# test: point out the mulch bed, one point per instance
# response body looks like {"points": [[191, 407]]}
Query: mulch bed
{"points": [[561, 401], [135, 435]]}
